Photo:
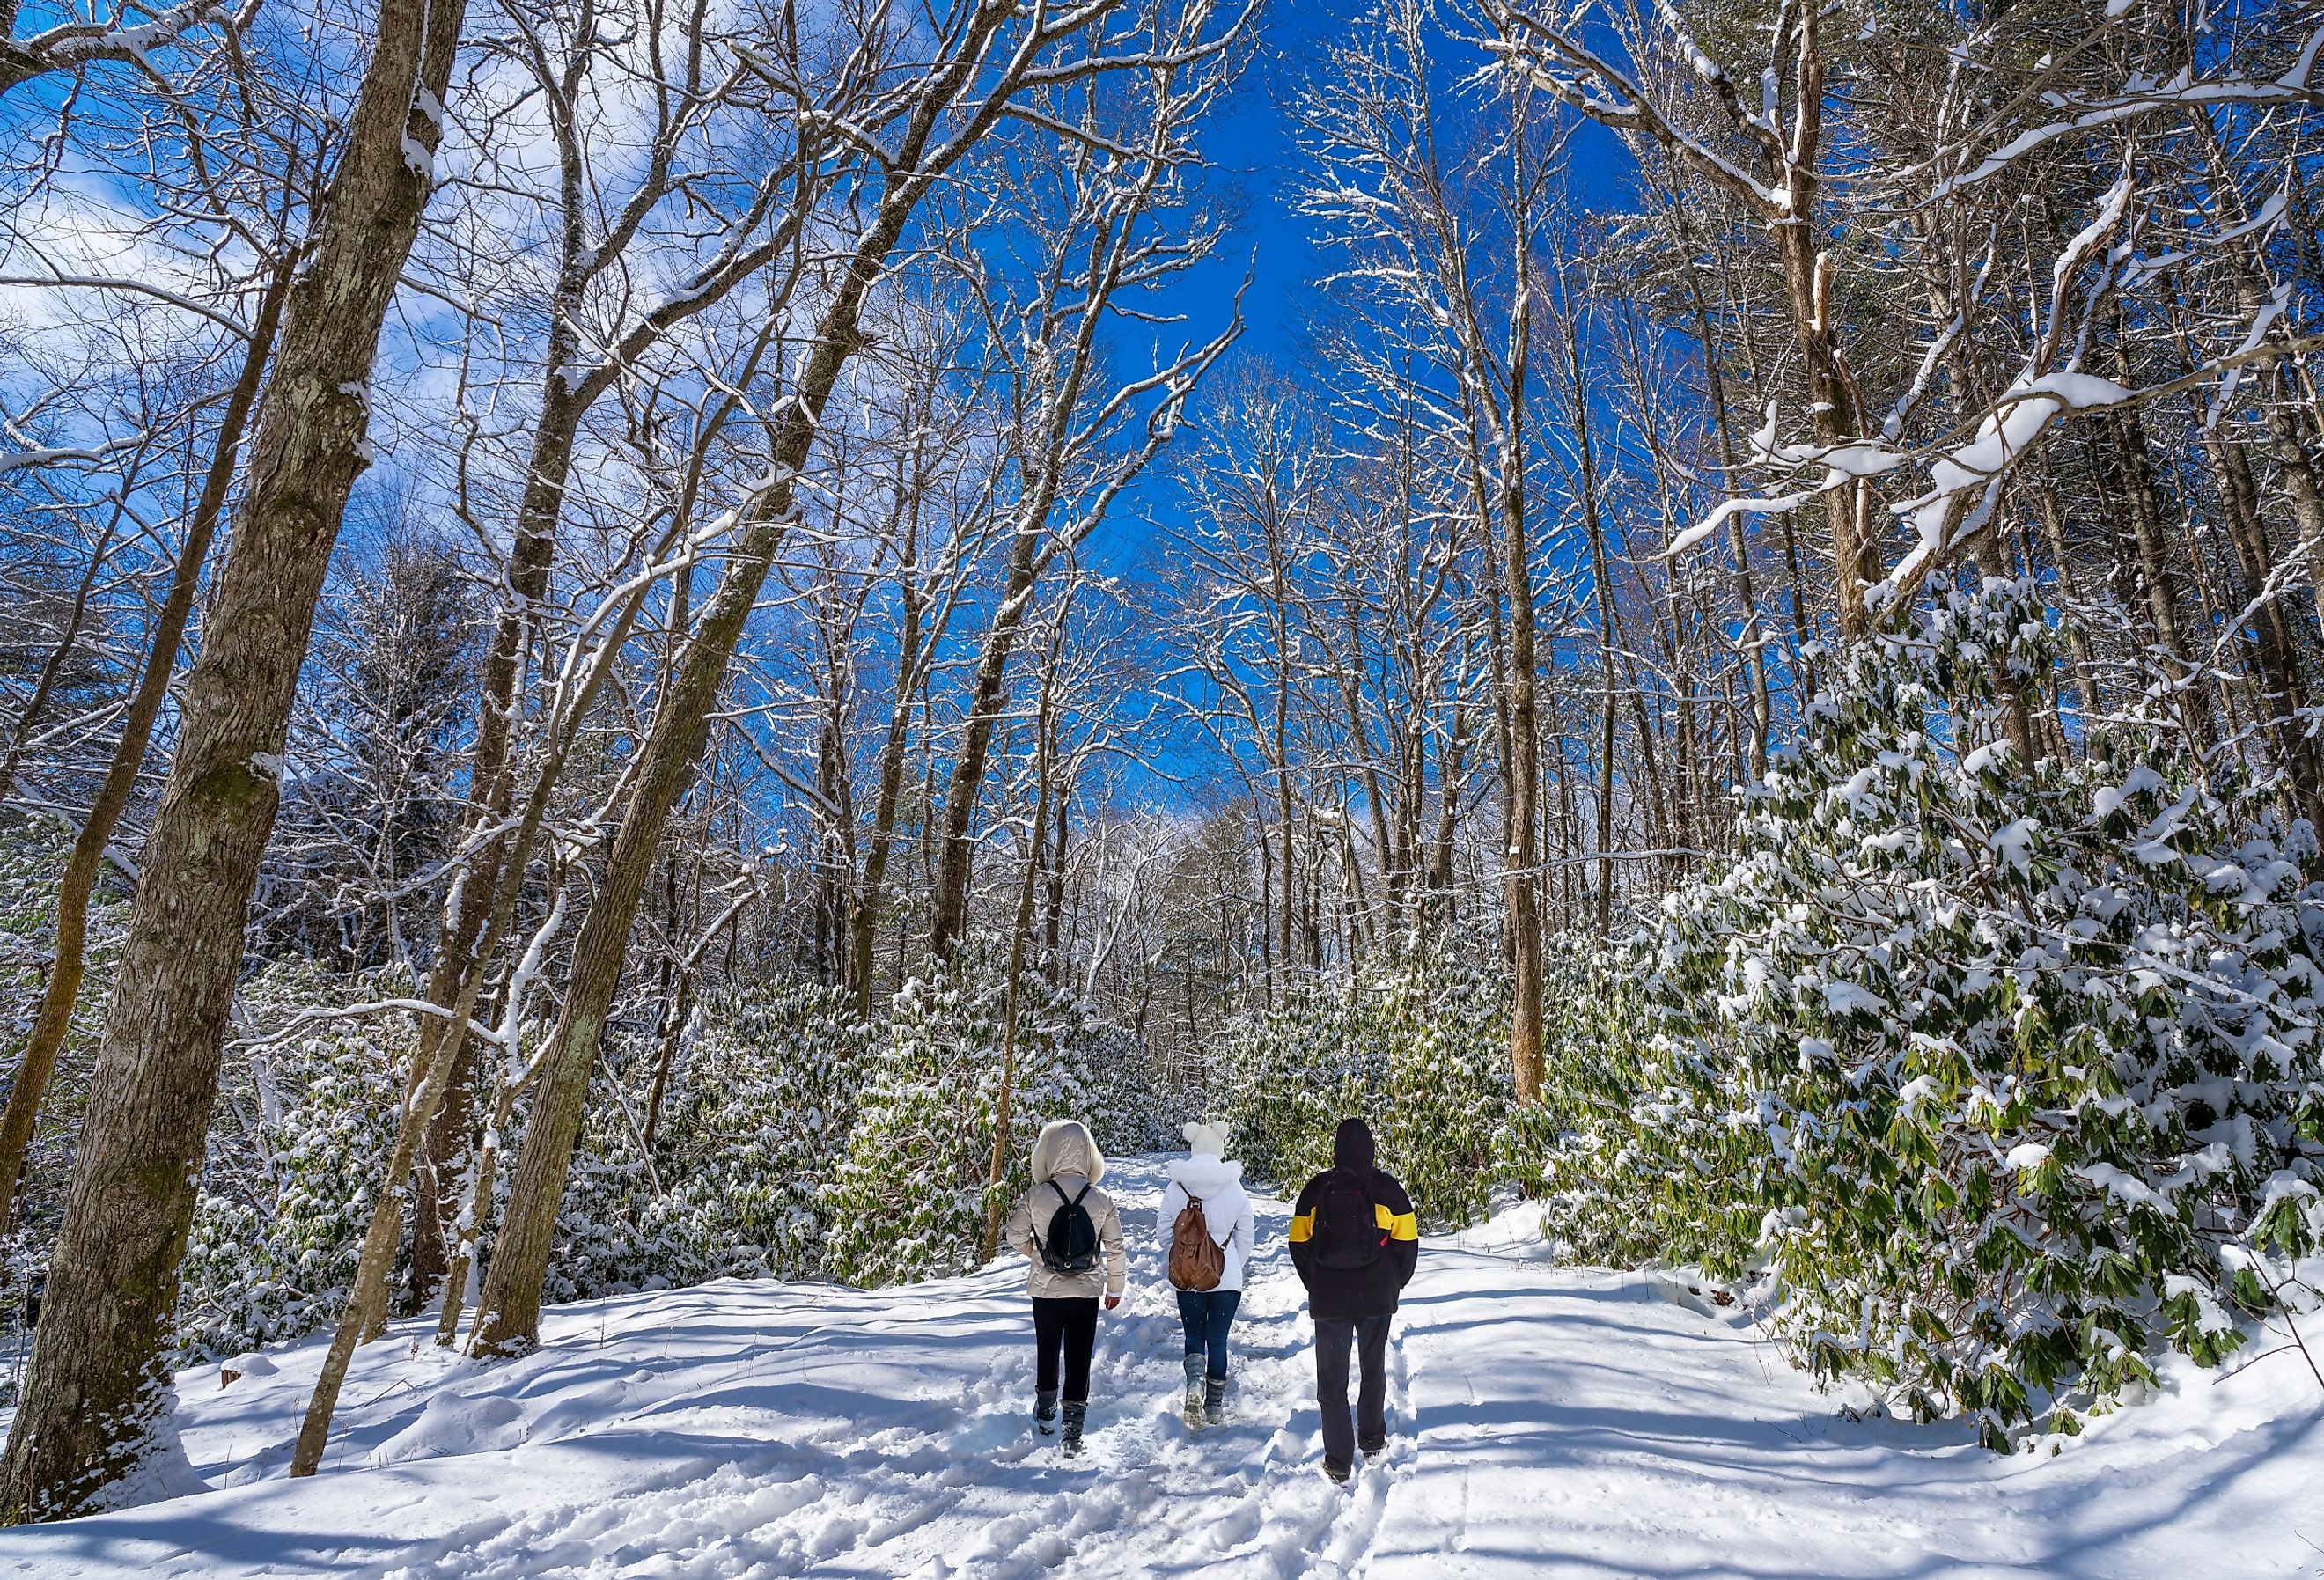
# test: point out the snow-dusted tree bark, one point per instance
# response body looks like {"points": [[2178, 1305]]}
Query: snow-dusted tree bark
{"points": [[96, 1394], [75, 45]]}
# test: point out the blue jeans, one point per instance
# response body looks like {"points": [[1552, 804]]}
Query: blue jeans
{"points": [[1208, 1313]]}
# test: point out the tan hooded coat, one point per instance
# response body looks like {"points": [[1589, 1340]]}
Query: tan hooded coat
{"points": [[1066, 1157]]}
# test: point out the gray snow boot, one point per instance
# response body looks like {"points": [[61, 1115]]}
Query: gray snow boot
{"points": [[1195, 1389], [1215, 1399], [1071, 1440], [1044, 1408]]}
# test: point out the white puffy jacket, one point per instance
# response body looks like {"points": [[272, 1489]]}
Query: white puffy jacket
{"points": [[1217, 1184]]}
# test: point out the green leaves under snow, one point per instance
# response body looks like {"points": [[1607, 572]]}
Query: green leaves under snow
{"points": [[2000, 1077]]}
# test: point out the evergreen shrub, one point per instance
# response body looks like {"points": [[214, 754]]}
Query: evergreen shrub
{"points": [[1999, 1077], [909, 1199], [1419, 1048]]}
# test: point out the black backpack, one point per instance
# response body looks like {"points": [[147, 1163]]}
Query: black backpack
{"points": [[1071, 1244], [1346, 1232]]}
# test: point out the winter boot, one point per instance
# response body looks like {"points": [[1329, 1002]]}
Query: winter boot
{"points": [[1044, 1408], [1215, 1399], [1071, 1441], [1195, 1389]]}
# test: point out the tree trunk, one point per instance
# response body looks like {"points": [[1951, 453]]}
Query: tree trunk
{"points": [[448, 1138], [1832, 398], [1715, 391], [1020, 930], [1522, 772], [459, 964], [2153, 572], [97, 1384], [1602, 580], [948, 904], [1448, 815], [864, 920], [1053, 923]]}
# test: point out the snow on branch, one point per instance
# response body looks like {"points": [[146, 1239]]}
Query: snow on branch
{"points": [[74, 44], [2140, 97]]}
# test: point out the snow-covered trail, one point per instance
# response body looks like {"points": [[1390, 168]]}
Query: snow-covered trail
{"points": [[1547, 1422]]}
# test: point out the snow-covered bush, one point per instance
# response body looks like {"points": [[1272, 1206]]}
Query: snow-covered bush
{"points": [[299, 1137], [1134, 1103], [1450, 1096], [757, 1120], [1297, 1069], [758, 1103], [1420, 1048], [2002, 1074], [910, 1200]]}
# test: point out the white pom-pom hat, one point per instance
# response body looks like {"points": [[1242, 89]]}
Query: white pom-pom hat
{"points": [[1205, 1140]]}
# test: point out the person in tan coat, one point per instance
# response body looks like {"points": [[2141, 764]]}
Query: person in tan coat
{"points": [[1073, 1232]]}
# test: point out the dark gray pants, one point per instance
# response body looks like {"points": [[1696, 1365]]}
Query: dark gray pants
{"points": [[1334, 1337]]}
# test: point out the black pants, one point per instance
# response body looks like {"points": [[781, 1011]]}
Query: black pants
{"points": [[1334, 1335], [1071, 1325]]}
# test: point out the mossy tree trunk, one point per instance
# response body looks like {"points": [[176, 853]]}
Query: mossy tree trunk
{"points": [[97, 1385]]}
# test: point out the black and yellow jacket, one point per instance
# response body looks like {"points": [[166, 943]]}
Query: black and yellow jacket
{"points": [[1356, 1291]]}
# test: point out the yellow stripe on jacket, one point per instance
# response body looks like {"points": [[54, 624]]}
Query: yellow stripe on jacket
{"points": [[1399, 1225], [1303, 1228]]}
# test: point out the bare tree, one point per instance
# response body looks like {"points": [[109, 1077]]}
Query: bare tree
{"points": [[935, 117]]}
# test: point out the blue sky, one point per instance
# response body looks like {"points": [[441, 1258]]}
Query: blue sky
{"points": [[1258, 161], [1256, 156]]}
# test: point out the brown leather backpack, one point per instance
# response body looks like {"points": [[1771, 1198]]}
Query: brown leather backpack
{"points": [[1197, 1261]]}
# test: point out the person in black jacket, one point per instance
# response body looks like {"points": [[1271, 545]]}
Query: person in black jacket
{"points": [[1355, 1242]]}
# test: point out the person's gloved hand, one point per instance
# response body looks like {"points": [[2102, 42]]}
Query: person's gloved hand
{"points": [[1111, 1301]]}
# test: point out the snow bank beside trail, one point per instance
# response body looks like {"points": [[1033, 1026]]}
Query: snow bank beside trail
{"points": [[1521, 1232], [1549, 1422], [1600, 1430]]}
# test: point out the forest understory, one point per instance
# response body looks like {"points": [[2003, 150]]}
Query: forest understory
{"points": [[635, 637]]}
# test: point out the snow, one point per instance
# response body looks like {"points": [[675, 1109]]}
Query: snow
{"points": [[1549, 1421], [2015, 844], [1846, 998]]}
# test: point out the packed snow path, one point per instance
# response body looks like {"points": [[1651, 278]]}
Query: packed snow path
{"points": [[1547, 1423]]}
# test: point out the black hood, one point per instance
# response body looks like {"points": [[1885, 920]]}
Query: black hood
{"points": [[1352, 1147]]}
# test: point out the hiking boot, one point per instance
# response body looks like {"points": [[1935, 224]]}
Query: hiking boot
{"points": [[1045, 1409], [1215, 1399], [1338, 1471], [1195, 1389], [1071, 1439], [1374, 1446]]}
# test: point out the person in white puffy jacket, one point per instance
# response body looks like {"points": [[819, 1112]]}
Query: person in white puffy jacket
{"points": [[1208, 1177]]}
